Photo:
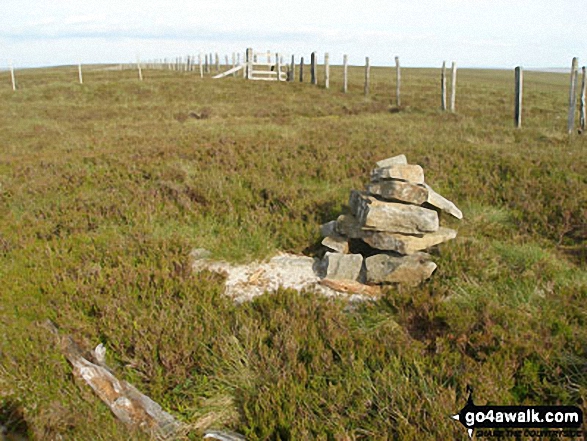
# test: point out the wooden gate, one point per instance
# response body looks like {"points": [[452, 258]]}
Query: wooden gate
{"points": [[255, 69]]}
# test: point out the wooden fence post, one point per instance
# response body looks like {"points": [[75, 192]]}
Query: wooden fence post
{"points": [[443, 87], [200, 66], [206, 63], [140, 70], [519, 77], [345, 73], [367, 76], [79, 73], [12, 77], [326, 70], [398, 82], [217, 59], [234, 63], [453, 87], [302, 70], [573, 95], [292, 69], [249, 67], [314, 79], [278, 66], [583, 117]]}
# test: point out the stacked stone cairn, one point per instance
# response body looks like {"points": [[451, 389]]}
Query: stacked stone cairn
{"points": [[390, 226]]}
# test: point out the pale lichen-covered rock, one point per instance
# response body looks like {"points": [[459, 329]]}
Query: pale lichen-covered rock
{"points": [[408, 244], [407, 270], [287, 271], [407, 172], [374, 214], [343, 266], [399, 159], [337, 243], [399, 190]]}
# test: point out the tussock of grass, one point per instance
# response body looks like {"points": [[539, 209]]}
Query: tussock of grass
{"points": [[106, 187]]}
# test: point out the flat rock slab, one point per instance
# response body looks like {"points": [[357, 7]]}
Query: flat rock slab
{"points": [[374, 214], [407, 270], [408, 244], [343, 266], [399, 159], [442, 203], [396, 190], [407, 172], [351, 286], [290, 271], [337, 243]]}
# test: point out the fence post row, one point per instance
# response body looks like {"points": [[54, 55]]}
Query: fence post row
{"points": [[188, 65], [573, 95], [519, 90]]}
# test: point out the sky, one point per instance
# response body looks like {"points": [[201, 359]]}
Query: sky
{"points": [[474, 33]]}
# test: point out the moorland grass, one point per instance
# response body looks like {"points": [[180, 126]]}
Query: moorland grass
{"points": [[105, 189]]}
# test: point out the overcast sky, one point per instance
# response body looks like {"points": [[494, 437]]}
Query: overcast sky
{"points": [[474, 33]]}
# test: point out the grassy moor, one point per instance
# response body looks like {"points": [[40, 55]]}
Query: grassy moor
{"points": [[106, 187]]}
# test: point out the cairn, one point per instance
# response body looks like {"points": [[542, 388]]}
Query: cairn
{"points": [[391, 225]]}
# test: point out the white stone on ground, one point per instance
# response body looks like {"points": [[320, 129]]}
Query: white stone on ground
{"points": [[290, 271]]}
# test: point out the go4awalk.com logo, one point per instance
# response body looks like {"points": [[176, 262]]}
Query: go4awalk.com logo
{"points": [[504, 420]]}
